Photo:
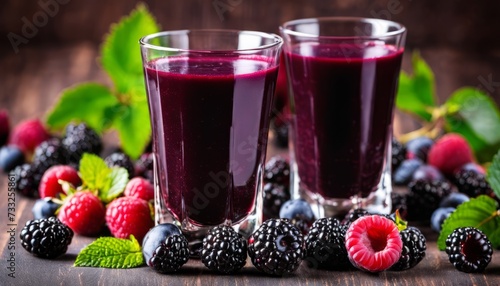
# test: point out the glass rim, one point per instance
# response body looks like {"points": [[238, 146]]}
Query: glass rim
{"points": [[144, 41], [401, 29]]}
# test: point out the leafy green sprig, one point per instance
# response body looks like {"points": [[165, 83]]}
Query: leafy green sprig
{"points": [[111, 252], [123, 106]]}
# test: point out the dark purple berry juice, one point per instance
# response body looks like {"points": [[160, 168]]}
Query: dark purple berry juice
{"points": [[212, 120], [343, 98]]}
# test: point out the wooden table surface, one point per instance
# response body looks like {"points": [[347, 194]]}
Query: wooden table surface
{"points": [[30, 84]]}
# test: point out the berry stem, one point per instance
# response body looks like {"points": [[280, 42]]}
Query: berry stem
{"points": [[431, 129], [492, 216]]}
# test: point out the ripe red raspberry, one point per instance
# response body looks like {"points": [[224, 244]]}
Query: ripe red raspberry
{"points": [[4, 127], [49, 185], [449, 153], [128, 215], [28, 134], [140, 188], [83, 212], [373, 243]]}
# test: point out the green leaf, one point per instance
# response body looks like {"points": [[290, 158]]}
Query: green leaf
{"points": [[493, 175], [475, 115], [86, 102], [133, 127], [118, 179], [111, 252], [494, 237], [416, 93], [120, 54], [94, 172], [480, 212]]}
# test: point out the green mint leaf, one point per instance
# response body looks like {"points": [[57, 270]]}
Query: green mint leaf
{"points": [[120, 54], [118, 179], [133, 127], [480, 212], [86, 102], [94, 172], [474, 114], [493, 175], [416, 93], [111, 252]]}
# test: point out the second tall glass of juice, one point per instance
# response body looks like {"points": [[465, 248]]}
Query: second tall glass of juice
{"points": [[210, 94], [343, 76]]}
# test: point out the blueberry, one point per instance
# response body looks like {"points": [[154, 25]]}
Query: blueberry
{"points": [[156, 236], [44, 208], [10, 157], [453, 200], [438, 217], [419, 148], [296, 208], [428, 173], [299, 212], [404, 173]]}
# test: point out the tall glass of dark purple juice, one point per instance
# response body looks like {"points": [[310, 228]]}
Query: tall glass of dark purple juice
{"points": [[343, 76], [209, 95]]}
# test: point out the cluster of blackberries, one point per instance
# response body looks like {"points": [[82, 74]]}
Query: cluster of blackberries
{"points": [[439, 175], [68, 150], [78, 139]]}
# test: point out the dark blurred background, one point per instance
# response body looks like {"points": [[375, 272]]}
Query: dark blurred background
{"points": [[469, 25], [460, 39]]}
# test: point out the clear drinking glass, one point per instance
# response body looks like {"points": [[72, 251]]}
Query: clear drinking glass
{"points": [[343, 76], [209, 95]]}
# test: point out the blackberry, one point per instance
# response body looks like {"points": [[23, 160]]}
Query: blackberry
{"points": [[26, 179], [119, 159], [49, 153], [224, 250], [325, 245], [424, 198], [472, 183], [144, 166], [398, 153], [277, 170], [274, 197], [468, 249], [80, 139], [170, 255], [276, 247], [46, 238], [353, 215], [414, 247]]}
